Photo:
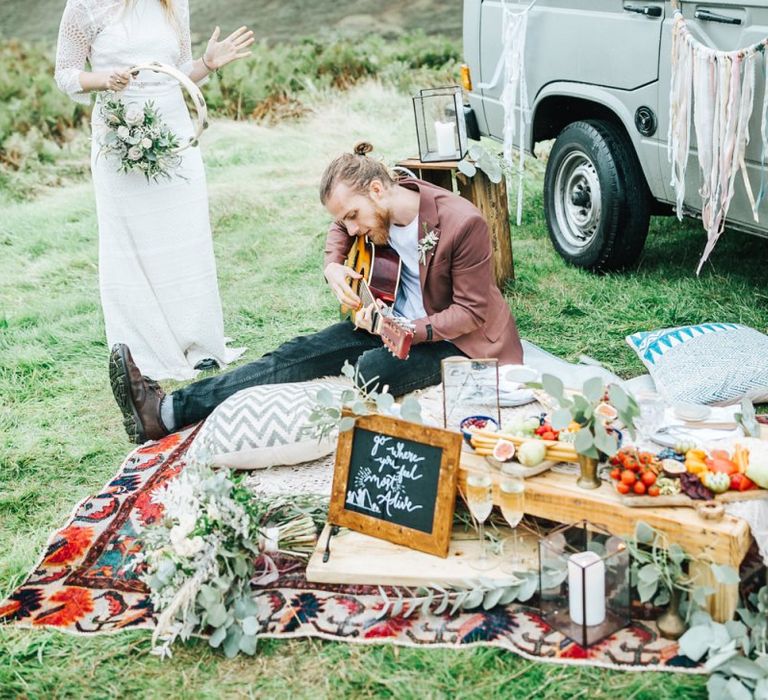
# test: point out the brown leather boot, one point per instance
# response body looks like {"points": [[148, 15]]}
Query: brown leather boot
{"points": [[137, 396]]}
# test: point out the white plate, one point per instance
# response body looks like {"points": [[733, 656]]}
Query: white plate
{"points": [[519, 374], [516, 398], [691, 411]]}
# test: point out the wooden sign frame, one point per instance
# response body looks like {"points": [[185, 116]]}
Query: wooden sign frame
{"points": [[437, 541]]}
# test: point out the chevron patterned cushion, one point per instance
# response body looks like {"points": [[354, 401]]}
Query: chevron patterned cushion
{"points": [[711, 363], [263, 426]]}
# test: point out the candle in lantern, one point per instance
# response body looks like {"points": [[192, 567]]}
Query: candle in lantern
{"points": [[445, 133], [586, 585]]}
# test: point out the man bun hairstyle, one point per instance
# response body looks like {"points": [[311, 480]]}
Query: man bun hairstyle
{"points": [[362, 148], [355, 170]]}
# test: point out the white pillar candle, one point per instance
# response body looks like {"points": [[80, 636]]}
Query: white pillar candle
{"points": [[446, 143], [586, 574]]}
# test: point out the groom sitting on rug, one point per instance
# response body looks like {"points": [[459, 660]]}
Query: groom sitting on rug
{"points": [[446, 290]]}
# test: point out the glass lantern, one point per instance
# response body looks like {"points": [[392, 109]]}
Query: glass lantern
{"points": [[584, 582], [440, 126]]}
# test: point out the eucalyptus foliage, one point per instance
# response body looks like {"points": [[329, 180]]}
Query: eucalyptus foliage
{"points": [[478, 158], [212, 545], [594, 438], [361, 398], [747, 419], [735, 653], [439, 599]]}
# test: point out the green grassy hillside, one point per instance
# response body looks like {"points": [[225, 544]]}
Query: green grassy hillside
{"points": [[274, 20]]}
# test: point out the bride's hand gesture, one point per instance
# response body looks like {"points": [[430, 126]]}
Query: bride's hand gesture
{"points": [[219, 53]]}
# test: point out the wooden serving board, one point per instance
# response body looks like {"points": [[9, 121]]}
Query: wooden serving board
{"points": [[356, 558], [681, 500]]}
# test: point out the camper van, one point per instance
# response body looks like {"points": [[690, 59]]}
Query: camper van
{"points": [[598, 78]]}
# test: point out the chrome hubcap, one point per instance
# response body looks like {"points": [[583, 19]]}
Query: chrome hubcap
{"points": [[577, 200]]}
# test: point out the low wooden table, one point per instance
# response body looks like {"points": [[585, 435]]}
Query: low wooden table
{"points": [[489, 197], [556, 497]]}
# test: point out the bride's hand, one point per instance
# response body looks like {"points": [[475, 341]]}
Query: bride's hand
{"points": [[219, 53], [117, 80]]}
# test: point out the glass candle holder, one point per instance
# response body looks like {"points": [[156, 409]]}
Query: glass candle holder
{"points": [[584, 582], [440, 127]]}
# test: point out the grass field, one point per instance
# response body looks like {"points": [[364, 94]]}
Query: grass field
{"points": [[272, 20], [61, 437]]}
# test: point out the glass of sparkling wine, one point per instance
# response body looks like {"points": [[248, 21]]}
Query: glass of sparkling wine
{"points": [[480, 502], [512, 502]]}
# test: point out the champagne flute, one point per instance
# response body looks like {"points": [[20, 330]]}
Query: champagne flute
{"points": [[651, 418], [480, 503], [512, 502]]}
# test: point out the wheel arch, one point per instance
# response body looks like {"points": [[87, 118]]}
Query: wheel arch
{"points": [[560, 104]]}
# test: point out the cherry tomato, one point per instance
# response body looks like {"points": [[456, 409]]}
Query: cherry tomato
{"points": [[648, 478], [615, 473], [654, 490], [639, 488], [621, 487], [628, 477], [549, 435]]}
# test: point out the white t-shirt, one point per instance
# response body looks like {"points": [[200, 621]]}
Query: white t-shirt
{"points": [[405, 241]]}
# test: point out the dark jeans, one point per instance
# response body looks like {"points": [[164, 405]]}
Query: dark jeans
{"points": [[312, 356]]}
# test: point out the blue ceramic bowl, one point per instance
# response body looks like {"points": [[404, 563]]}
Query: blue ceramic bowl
{"points": [[469, 420]]}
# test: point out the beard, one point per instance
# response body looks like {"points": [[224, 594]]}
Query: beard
{"points": [[379, 232]]}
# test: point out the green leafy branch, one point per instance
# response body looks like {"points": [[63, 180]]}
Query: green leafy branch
{"points": [[747, 419], [478, 158], [438, 600], [361, 398], [594, 437], [736, 652]]}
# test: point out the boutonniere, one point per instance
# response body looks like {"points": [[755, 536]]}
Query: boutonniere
{"points": [[426, 244]]}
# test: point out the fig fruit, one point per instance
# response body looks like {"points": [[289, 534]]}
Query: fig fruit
{"points": [[504, 450]]}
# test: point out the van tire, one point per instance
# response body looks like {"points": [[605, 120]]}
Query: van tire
{"points": [[596, 199]]}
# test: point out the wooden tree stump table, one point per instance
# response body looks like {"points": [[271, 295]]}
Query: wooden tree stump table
{"points": [[490, 198], [556, 497]]}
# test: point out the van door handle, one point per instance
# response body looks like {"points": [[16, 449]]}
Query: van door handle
{"points": [[647, 10], [709, 16]]}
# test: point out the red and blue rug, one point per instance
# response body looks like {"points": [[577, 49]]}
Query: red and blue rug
{"points": [[85, 584]]}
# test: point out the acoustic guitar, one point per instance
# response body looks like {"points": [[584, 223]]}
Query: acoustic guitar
{"points": [[379, 267]]}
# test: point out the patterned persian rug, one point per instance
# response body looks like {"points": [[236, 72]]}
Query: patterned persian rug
{"points": [[84, 584]]}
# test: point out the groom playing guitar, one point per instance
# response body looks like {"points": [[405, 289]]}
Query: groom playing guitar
{"points": [[439, 299]]}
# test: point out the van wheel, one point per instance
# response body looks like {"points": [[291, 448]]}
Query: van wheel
{"points": [[596, 200]]}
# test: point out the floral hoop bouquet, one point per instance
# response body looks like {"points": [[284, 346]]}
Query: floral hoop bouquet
{"points": [[139, 139]]}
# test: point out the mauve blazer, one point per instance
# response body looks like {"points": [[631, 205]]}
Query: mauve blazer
{"points": [[462, 301]]}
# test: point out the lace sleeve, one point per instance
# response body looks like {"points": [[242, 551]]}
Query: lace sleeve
{"points": [[186, 62], [76, 33]]}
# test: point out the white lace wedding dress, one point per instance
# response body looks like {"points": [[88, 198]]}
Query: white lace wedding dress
{"points": [[157, 271]]}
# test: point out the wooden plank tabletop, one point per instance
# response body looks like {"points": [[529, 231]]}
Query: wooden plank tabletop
{"points": [[356, 558], [557, 497]]}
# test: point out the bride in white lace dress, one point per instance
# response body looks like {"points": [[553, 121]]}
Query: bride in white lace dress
{"points": [[157, 272]]}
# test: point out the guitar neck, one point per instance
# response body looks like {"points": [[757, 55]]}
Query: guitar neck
{"points": [[365, 294]]}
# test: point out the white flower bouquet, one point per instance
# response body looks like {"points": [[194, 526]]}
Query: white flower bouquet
{"points": [[216, 541], [139, 139]]}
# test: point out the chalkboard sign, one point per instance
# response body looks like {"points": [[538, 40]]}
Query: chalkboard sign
{"points": [[397, 480]]}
